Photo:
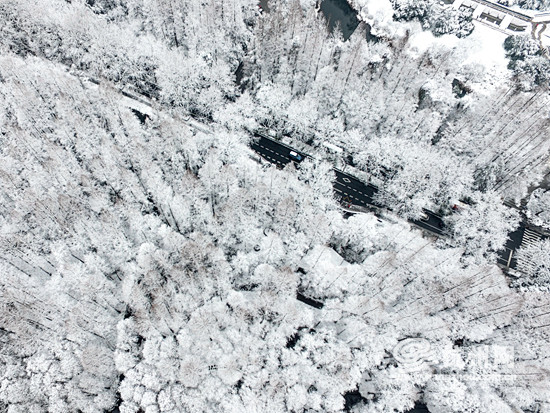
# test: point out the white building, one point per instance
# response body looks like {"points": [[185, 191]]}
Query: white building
{"points": [[509, 20]]}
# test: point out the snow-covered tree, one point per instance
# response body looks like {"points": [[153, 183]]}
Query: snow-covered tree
{"points": [[535, 260], [483, 227], [435, 17], [527, 61], [538, 207]]}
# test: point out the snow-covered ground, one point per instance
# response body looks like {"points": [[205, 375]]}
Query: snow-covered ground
{"points": [[481, 54]]}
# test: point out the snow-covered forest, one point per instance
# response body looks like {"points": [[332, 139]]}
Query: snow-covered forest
{"points": [[151, 262]]}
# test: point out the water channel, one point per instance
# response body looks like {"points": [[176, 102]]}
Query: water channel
{"points": [[337, 13]]}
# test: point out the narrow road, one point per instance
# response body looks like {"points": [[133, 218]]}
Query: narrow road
{"points": [[431, 222], [272, 151], [353, 191]]}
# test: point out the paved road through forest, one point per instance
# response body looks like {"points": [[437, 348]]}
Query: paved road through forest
{"points": [[351, 190]]}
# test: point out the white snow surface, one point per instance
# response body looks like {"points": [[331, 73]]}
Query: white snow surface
{"points": [[325, 257], [480, 57]]}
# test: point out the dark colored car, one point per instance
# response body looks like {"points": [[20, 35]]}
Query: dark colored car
{"points": [[295, 156]]}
